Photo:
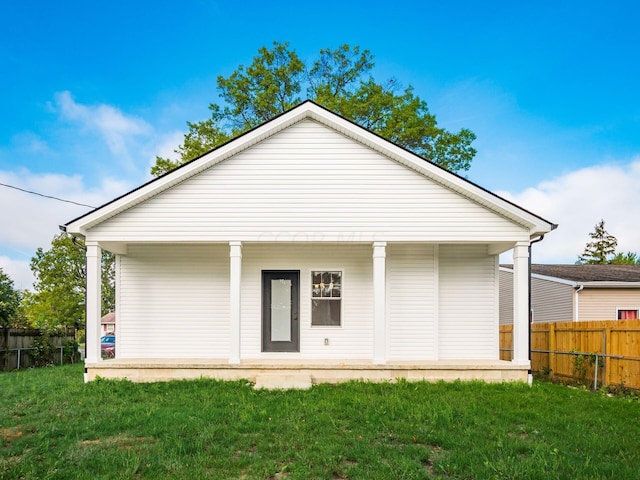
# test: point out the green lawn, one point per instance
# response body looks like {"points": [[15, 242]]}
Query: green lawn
{"points": [[52, 425]]}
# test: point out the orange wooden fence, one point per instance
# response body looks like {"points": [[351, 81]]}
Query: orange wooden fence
{"points": [[568, 349]]}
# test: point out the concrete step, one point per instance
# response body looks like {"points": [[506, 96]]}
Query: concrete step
{"points": [[283, 381]]}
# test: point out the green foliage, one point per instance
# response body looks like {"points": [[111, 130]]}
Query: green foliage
{"points": [[339, 80], [582, 362], [108, 282], [546, 372], [55, 426], [628, 258], [70, 351], [9, 301], [59, 296], [267, 87], [43, 351], [201, 138], [601, 248]]}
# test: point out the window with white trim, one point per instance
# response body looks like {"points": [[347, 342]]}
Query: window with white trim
{"points": [[627, 313], [326, 298]]}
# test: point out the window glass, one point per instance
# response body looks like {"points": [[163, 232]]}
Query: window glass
{"points": [[627, 314], [326, 294], [281, 310]]}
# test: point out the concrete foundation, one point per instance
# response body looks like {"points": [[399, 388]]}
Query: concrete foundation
{"points": [[299, 374]]}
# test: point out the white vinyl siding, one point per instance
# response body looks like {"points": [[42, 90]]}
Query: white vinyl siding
{"points": [[353, 339], [174, 302], [468, 303], [411, 307], [308, 183]]}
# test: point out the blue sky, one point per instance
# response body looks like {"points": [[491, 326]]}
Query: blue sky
{"points": [[94, 90]]}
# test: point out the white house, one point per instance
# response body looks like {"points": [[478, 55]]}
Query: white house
{"points": [[308, 248]]}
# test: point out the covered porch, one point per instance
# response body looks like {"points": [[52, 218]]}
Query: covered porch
{"points": [[388, 332]]}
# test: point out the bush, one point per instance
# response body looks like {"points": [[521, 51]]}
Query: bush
{"points": [[43, 351], [70, 351]]}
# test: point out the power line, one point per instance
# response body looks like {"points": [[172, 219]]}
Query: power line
{"points": [[46, 196]]}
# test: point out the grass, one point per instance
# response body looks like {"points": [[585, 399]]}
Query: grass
{"points": [[53, 426]]}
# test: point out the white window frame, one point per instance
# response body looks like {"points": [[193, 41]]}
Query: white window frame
{"points": [[311, 297], [624, 309]]}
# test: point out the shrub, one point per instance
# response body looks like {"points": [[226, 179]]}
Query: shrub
{"points": [[43, 351]]}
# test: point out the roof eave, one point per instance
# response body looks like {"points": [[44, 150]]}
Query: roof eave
{"points": [[605, 284]]}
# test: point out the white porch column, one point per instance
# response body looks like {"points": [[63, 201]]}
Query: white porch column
{"points": [[521, 303], [94, 302], [235, 253], [379, 302]]}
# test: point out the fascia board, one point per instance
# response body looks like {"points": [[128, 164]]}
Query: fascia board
{"points": [[611, 284], [563, 281]]}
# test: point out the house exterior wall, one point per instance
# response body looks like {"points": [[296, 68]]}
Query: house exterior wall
{"points": [[412, 302], [107, 328], [173, 302], [506, 297], [352, 340], [468, 303], [601, 303], [308, 183], [551, 301]]}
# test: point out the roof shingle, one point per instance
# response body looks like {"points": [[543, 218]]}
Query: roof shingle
{"points": [[590, 273]]}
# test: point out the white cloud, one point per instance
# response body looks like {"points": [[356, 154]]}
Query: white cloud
{"points": [[168, 143], [30, 143], [31, 221], [165, 147], [577, 201], [110, 150], [18, 271], [118, 130]]}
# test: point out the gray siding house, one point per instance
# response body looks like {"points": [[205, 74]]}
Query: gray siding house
{"points": [[561, 293]]}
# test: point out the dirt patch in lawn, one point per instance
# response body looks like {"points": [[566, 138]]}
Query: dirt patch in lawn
{"points": [[121, 442]]}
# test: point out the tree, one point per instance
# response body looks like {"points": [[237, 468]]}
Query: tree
{"points": [[60, 287], [339, 80], [9, 301], [601, 248], [628, 258]]}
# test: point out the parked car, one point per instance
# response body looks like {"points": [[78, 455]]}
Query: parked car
{"points": [[108, 346]]}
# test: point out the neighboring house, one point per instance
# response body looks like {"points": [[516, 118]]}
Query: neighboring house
{"points": [[108, 323], [561, 293], [312, 247]]}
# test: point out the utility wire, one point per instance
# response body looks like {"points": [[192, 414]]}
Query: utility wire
{"points": [[46, 196]]}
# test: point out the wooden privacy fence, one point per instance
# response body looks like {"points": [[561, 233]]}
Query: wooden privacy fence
{"points": [[575, 349], [17, 350]]}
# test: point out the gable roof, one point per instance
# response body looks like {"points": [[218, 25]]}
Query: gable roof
{"points": [[590, 272], [310, 110], [596, 275]]}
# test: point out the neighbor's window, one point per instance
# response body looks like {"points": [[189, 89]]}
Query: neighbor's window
{"points": [[326, 298], [627, 314]]}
